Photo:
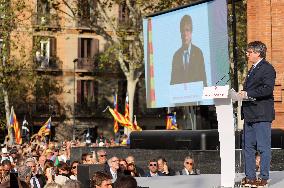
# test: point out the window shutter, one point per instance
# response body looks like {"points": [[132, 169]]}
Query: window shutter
{"points": [[79, 47], [52, 47], [94, 47], [85, 92], [79, 100]]}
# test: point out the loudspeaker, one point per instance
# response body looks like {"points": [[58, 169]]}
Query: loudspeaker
{"points": [[180, 139], [85, 173]]}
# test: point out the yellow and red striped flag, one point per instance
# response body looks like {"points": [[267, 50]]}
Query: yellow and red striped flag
{"points": [[121, 119], [14, 123], [115, 125]]}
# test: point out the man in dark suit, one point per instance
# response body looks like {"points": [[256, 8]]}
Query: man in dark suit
{"points": [[153, 169], [189, 167], [37, 180], [113, 168], [188, 62], [258, 113]]}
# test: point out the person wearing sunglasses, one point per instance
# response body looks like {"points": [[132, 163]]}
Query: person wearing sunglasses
{"points": [[101, 157], [189, 167], [153, 169], [74, 170]]}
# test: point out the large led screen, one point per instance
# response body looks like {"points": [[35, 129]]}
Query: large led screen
{"points": [[185, 50]]}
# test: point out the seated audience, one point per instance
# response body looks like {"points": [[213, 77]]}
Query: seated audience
{"points": [[74, 170], [153, 169], [72, 184], [123, 167], [139, 172], [101, 180], [52, 185], [189, 167], [163, 167], [101, 156], [113, 169], [126, 182]]}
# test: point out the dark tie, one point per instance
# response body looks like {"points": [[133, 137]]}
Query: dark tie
{"points": [[34, 182], [250, 70], [186, 58]]}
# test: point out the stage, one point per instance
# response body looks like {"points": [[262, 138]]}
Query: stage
{"points": [[203, 181]]}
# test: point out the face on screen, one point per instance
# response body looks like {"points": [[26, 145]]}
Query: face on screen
{"points": [[186, 35]]}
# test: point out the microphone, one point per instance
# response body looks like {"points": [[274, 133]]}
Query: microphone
{"points": [[238, 68], [223, 78]]}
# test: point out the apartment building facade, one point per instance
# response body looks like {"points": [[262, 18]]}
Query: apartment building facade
{"points": [[75, 88]]}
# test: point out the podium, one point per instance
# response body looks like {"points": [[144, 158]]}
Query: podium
{"points": [[225, 117]]}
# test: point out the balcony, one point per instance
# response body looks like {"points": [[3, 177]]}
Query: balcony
{"points": [[39, 109], [125, 23], [45, 20], [86, 109], [48, 64], [85, 65]]}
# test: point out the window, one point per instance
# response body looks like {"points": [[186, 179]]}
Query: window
{"points": [[88, 47], [45, 50], [123, 13], [86, 12], [87, 91], [43, 7]]}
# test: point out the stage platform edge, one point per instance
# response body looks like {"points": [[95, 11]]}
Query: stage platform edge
{"points": [[202, 181]]}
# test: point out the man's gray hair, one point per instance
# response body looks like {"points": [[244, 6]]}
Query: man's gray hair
{"points": [[258, 47]]}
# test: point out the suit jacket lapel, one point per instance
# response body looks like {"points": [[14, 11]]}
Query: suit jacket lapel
{"points": [[254, 71]]}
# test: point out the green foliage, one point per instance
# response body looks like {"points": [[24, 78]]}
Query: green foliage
{"points": [[17, 76], [241, 33]]}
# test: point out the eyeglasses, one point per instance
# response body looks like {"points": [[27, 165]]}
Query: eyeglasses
{"points": [[189, 163], [248, 52], [152, 164]]}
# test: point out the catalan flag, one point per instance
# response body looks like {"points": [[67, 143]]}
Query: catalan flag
{"points": [[171, 123], [14, 123], [45, 129], [122, 120], [115, 125]]}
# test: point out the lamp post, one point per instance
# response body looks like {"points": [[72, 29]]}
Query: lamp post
{"points": [[74, 97]]}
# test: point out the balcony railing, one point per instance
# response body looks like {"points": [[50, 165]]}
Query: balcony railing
{"points": [[45, 20], [125, 23], [39, 109], [86, 64], [86, 109], [45, 63]]}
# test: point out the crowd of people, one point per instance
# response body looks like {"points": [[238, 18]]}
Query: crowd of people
{"points": [[38, 164]]}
